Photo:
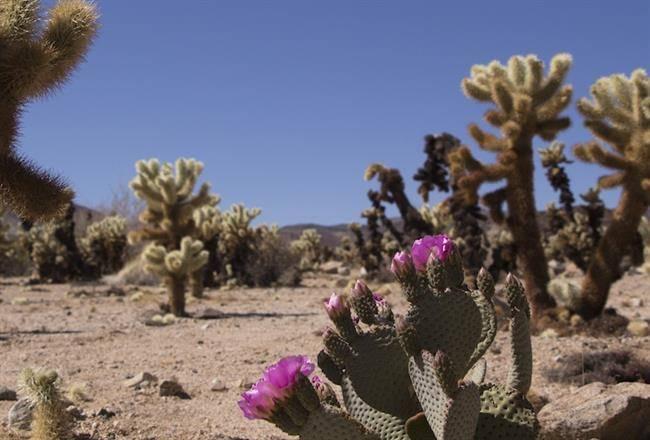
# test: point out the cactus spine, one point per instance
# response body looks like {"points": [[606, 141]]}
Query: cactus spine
{"points": [[527, 104], [36, 57], [619, 115]]}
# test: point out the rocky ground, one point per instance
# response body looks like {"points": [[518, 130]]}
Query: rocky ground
{"points": [[96, 338]]}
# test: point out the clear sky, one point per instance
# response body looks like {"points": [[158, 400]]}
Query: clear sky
{"points": [[287, 101]]}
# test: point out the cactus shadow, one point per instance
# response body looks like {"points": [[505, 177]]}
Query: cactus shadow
{"points": [[209, 314]]}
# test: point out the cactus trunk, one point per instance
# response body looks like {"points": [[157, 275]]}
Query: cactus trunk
{"points": [[176, 288], [525, 230], [196, 283], [604, 269]]}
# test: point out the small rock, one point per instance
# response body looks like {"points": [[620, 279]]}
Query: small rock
{"points": [[75, 412], [343, 271], [218, 385], [209, 313], [596, 410], [243, 384], [7, 394], [140, 380], [639, 328], [636, 302], [20, 414], [549, 333], [330, 267], [105, 413], [172, 388]]}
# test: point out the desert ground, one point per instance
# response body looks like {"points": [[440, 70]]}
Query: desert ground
{"points": [[95, 336]]}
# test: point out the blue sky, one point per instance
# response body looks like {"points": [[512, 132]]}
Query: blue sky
{"points": [[287, 101]]}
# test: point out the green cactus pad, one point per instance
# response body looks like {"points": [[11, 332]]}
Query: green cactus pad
{"points": [[386, 426], [329, 423], [505, 414]]}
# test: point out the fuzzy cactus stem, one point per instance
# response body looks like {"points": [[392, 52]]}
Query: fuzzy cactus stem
{"points": [[619, 115]]}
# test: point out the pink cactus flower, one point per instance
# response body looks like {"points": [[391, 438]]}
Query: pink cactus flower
{"points": [[275, 385], [440, 246], [401, 264], [335, 306]]}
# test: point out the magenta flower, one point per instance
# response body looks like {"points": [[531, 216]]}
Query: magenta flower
{"points": [[336, 306], [440, 246], [402, 263], [276, 384]]}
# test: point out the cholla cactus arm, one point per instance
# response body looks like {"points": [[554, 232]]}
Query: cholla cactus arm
{"points": [[526, 104], [167, 191], [356, 352], [433, 174], [50, 420], [36, 57], [175, 267], [620, 116], [552, 159], [392, 191]]}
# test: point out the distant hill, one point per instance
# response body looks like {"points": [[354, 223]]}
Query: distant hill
{"points": [[331, 235]]}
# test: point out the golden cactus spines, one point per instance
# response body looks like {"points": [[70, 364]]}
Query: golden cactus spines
{"points": [[37, 55], [526, 103], [619, 115]]}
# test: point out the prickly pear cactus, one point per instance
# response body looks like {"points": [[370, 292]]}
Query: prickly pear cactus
{"points": [[420, 377], [175, 267]]}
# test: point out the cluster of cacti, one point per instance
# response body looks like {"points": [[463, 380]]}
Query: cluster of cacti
{"points": [[36, 58], [413, 377], [620, 116], [573, 241], [103, 246], [14, 259], [526, 104], [169, 224], [310, 249], [55, 253], [50, 420]]}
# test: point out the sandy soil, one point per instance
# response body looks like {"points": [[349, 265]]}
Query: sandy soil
{"points": [[100, 341]]}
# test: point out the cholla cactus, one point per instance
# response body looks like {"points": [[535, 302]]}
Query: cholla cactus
{"points": [[552, 159], [415, 377], [574, 241], [620, 116], [527, 104], [310, 249], [54, 251], [175, 267], [434, 173], [207, 221], [392, 191], [238, 239], [37, 57], [104, 245], [50, 420], [168, 192], [439, 217]]}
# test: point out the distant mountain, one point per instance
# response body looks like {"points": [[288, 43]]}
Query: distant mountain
{"points": [[331, 235]]}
